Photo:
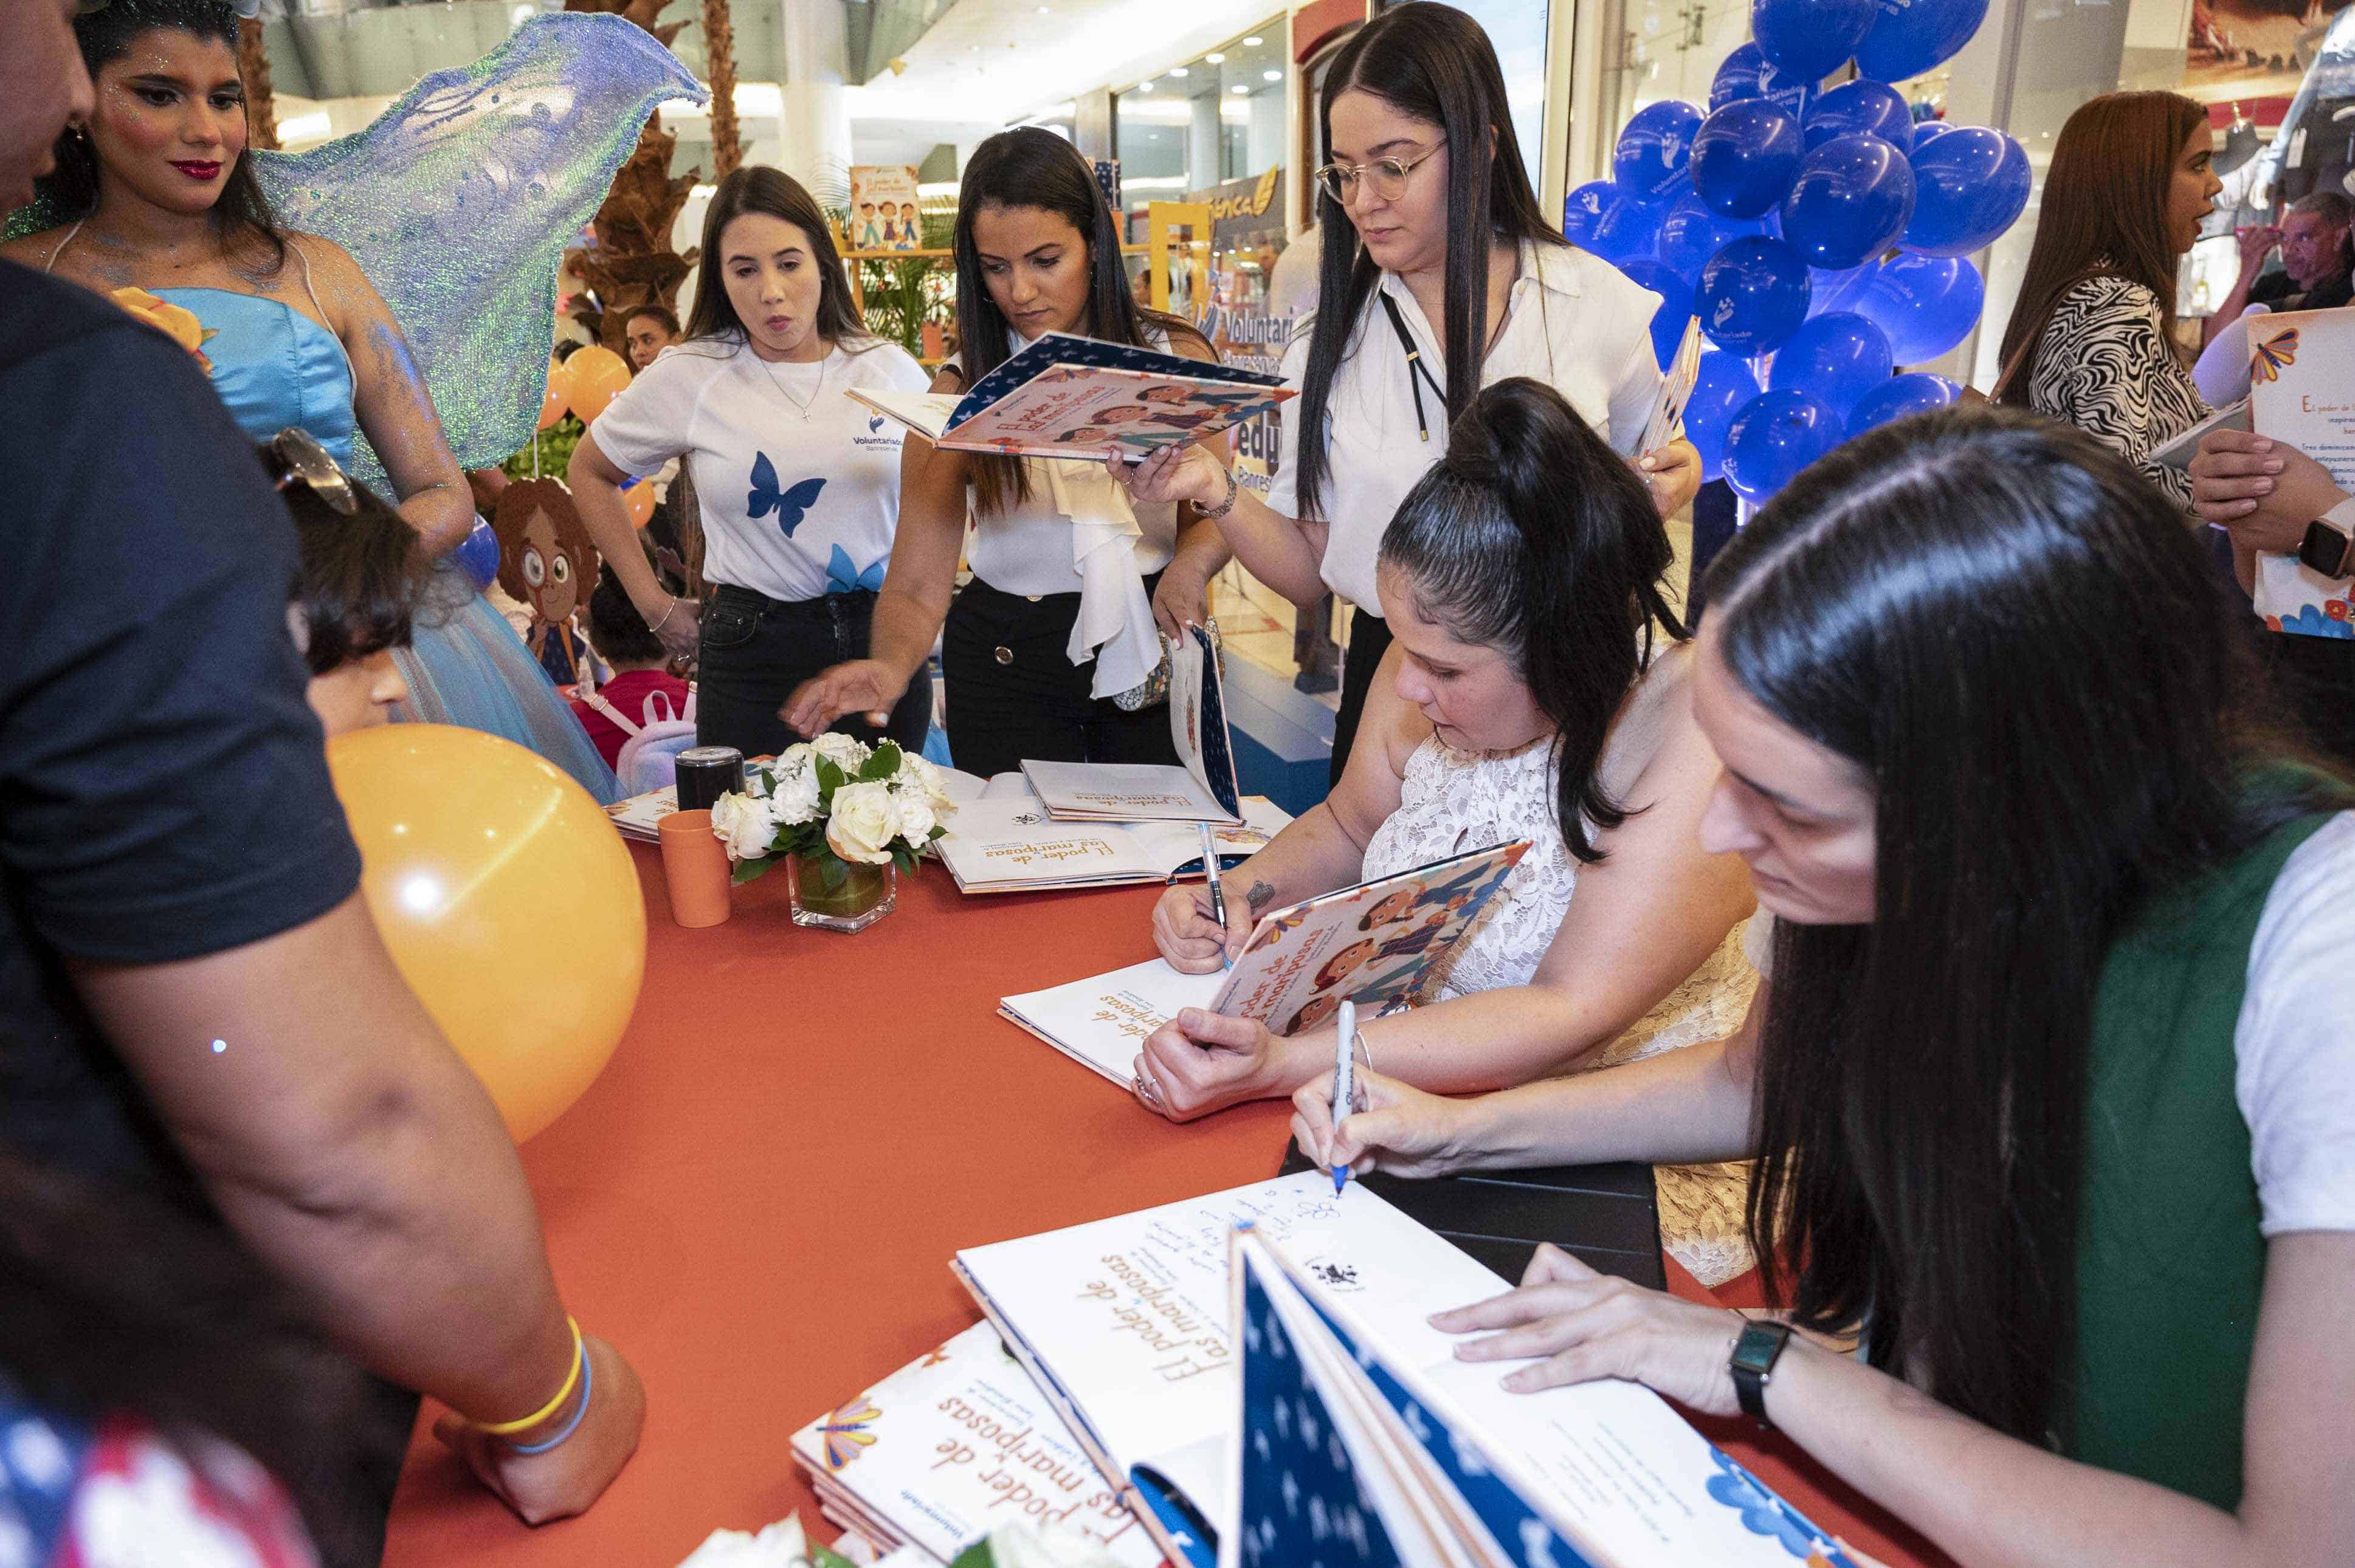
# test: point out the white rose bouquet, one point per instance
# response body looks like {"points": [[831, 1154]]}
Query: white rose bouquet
{"points": [[837, 802]]}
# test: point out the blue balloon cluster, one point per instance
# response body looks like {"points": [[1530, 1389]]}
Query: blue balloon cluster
{"points": [[1819, 237]]}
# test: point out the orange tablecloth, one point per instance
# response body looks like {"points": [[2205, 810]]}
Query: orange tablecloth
{"points": [[758, 1200]]}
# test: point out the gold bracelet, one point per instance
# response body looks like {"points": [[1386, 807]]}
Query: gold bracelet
{"points": [[509, 1428]]}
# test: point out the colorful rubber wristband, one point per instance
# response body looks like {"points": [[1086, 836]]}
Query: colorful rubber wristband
{"points": [[587, 1385], [580, 1360]]}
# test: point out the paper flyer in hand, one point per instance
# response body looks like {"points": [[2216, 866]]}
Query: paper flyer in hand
{"points": [[1201, 789], [1123, 1324], [1381, 944], [1078, 398], [2302, 392], [955, 1444], [1359, 1417], [1008, 845]]}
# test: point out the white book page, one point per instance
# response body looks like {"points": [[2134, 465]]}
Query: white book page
{"points": [[926, 413], [2303, 388], [1000, 840], [1131, 1315], [951, 1446], [1007, 787], [1609, 1463], [1103, 1020], [1118, 792]]}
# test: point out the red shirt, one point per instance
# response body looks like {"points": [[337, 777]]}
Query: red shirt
{"points": [[628, 693]]}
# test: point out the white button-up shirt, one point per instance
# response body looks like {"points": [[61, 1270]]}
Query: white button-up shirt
{"points": [[1572, 321]]}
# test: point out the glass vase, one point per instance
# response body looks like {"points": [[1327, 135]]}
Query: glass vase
{"points": [[863, 895]]}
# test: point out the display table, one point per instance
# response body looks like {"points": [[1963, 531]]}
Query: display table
{"points": [[758, 1200]]}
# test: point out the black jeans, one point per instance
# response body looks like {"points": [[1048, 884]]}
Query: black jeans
{"points": [[1369, 638], [754, 650], [2315, 679], [1013, 693]]}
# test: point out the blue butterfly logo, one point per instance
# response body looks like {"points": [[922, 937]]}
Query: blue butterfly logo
{"points": [[790, 506], [841, 576], [874, 424]]}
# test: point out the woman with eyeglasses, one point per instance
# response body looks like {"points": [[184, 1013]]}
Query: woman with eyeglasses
{"points": [[1440, 275], [158, 208]]}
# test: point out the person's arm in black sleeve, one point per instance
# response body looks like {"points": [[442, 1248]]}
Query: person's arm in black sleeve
{"points": [[166, 817]]}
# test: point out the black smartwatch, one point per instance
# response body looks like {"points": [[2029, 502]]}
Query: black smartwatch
{"points": [[2326, 549], [1755, 1352]]}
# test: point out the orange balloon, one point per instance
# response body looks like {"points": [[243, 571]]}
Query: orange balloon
{"points": [[551, 398], [594, 376], [639, 497], [509, 904]]}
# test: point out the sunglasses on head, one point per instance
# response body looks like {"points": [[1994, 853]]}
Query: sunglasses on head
{"points": [[293, 456]]}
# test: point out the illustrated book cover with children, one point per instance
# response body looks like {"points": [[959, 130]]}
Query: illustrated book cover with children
{"points": [[1068, 397], [1381, 944], [1202, 786]]}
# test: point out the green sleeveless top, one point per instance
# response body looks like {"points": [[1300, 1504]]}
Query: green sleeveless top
{"points": [[2170, 1261]]}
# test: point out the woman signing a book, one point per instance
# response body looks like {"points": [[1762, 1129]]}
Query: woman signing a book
{"points": [[2050, 1080], [1052, 652], [798, 485], [1432, 242], [1538, 689]]}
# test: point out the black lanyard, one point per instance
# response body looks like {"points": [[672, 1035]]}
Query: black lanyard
{"points": [[1417, 373]]}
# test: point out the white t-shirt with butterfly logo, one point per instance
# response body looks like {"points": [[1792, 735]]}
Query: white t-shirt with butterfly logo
{"points": [[793, 507]]}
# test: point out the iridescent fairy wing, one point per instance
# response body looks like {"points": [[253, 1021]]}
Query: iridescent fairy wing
{"points": [[461, 200]]}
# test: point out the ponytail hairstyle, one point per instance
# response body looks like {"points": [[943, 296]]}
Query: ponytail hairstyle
{"points": [[2008, 633], [1531, 535], [70, 194], [1032, 167], [1432, 63], [757, 188]]}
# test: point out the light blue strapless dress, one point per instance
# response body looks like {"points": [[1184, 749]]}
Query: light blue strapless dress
{"points": [[274, 367]]}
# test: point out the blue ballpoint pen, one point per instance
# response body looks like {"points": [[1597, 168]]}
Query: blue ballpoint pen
{"points": [[1344, 1070]]}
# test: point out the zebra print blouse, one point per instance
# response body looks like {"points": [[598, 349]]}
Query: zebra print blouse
{"points": [[2106, 367]]}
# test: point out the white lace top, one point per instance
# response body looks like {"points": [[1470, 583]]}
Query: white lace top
{"points": [[1456, 800]]}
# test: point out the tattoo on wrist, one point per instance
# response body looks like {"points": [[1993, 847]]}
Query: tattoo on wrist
{"points": [[1259, 896]]}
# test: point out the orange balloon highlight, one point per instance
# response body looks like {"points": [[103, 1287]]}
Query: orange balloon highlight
{"points": [[594, 376], [510, 906]]}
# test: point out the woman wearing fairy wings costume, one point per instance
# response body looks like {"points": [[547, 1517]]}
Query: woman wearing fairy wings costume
{"points": [[159, 195]]}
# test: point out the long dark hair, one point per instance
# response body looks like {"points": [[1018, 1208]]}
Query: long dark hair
{"points": [[2115, 161], [757, 188], [70, 192], [2010, 636], [110, 1300], [1531, 535], [1431, 62], [1032, 167]]}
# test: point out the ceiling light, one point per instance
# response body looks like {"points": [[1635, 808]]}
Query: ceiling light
{"points": [[1177, 71], [1254, 42], [1214, 59], [1042, 10], [1240, 88], [1146, 85], [1271, 76]]}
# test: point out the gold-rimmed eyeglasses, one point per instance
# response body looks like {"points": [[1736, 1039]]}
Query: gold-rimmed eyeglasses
{"points": [[1385, 176]]}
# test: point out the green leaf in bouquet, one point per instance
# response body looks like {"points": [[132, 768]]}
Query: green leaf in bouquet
{"points": [[749, 871], [827, 1557], [977, 1555], [883, 764], [831, 778], [831, 871], [938, 832]]}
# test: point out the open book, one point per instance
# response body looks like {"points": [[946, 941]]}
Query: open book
{"points": [[952, 1444], [1361, 1420], [1067, 396], [997, 844], [640, 817], [1201, 789], [1667, 422], [1379, 944], [1127, 1325]]}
